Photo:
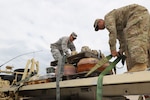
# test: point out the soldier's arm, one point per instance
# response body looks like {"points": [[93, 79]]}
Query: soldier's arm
{"points": [[122, 44], [110, 24], [64, 46], [72, 47]]}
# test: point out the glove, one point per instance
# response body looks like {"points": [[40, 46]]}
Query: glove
{"points": [[114, 53], [67, 54], [73, 52]]}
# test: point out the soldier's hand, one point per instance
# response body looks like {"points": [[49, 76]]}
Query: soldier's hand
{"points": [[73, 52], [67, 54], [114, 53]]}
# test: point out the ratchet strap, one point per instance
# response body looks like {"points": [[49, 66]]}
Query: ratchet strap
{"points": [[61, 63], [106, 71], [99, 64]]}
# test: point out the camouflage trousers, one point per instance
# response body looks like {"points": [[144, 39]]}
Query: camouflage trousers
{"points": [[137, 41], [56, 53]]}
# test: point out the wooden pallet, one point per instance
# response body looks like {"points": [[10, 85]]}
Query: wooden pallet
{"points": [[75, 58], [38, 81], [76, 76], [64, 77]]}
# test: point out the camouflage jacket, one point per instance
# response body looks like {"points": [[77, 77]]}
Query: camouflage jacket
{"points": [[63, 44], [118, 19]]}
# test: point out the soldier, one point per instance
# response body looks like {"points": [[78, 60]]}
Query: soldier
{"points": [[130, 25], [61, 47]]}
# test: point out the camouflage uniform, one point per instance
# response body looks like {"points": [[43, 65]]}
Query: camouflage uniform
{"points": [[130, 25], [61, 47]]}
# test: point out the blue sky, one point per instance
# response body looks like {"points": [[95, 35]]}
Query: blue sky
{"points": [[31, 25]]}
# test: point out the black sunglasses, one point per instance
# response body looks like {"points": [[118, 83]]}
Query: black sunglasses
{"points": [[73, 38], [96, 28]]}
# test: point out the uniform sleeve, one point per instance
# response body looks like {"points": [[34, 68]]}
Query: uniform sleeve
{"points": [[121, 42], [64, 46], [110, 24], [121, 46], [72, 47]]}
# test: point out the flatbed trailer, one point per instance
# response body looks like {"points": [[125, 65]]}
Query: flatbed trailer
{"points": [[77, 86], [115, 87]]}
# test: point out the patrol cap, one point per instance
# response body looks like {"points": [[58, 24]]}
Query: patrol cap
{"points": [[96, 24], [74, 35]]}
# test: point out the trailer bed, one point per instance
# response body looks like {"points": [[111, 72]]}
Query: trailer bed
{"points": [[136, 83]]}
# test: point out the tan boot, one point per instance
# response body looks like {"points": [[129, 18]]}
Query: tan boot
{"points": [[138, 67]]}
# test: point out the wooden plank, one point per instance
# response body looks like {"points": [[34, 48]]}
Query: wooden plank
{"points": [[79, 75], [38, 81], [76, 76]]}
